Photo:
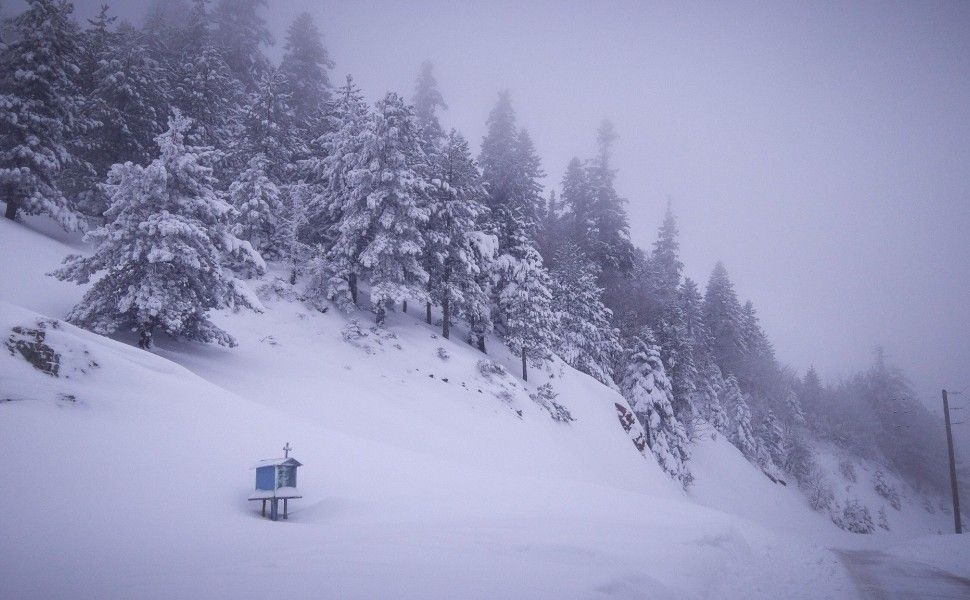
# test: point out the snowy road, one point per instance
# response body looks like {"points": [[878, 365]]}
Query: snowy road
{"points": [[880, 576]]}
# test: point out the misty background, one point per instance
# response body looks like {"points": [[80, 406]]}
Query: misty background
{"points": [[821, 152]]}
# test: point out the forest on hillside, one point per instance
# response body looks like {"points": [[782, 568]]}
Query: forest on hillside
{"points": [[192, 163]]}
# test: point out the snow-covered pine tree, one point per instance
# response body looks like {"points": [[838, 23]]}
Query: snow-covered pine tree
{"points": [[257, 202], [669, 322], [267, 127], [305, 67], [772, 438], [159, 258], [707, 399], [427, 101], [39, 110], [722, 316], [577, 206], [293, 250], [612, 248], [333, 157], [240, 32], [522, 296], [205, 89], [511, 170], [127, 102], [388, 208], [739, 431], [645, 386], [452, 260], [587, 339]]}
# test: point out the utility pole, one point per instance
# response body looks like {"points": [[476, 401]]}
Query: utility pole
{"points": [[953, 466]]}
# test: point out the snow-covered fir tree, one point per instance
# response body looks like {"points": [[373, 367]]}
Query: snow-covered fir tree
{"points": [[127, 102], [293, 250], [159, 260], [306, 68], [333, 157], [380, 226], [722, 316], [587, 339], [739, 432], [39, 110], [612, 248], [645, 386], [267, 128], [523, 299], [205, 89], [257, 202], [453, 261], [427, 101], [240, 33], [772, 438]]}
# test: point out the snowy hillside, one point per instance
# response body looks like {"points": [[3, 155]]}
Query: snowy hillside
{"points": [[423, 476]]}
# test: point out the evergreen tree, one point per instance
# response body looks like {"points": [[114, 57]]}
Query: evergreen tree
{"points": [[206, 91], [127, 102], [292, 248], [772, 438], [612, 248], [523, 300], [587, 340], [427, 101], [722, 315], [452, 260], [267, 122], [577, 202], [707, 398], [305, 67], [240, 32], [739, 415], [39, 110], [511, 170], [644, 384], [334, 176], [380, 226], [162, 250], [257, 202]]}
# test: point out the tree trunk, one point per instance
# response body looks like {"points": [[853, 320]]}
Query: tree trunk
{"points": [[12, 206], [145, 337], [428, 306], [525, 370], [404, 306], [445, 317], [381, 313], [293, 276], [352, 282], [481, 343]]}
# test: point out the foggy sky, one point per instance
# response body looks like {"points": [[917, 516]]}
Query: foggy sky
{"points": [[821, 152]]}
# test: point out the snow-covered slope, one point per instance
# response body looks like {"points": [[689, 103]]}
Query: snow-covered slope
{"points": [[127, 475]]}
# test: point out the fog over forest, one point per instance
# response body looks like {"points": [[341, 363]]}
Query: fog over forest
{"points": [[820, 152], [622, 298]]}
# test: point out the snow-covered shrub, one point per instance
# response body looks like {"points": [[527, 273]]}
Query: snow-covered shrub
{"points": [[278, 289], [817, 489], [928, 506], [848, 470], [886, 490], [355, 335], [854, 517], [443, 353], [545, 397], [490, 369]]}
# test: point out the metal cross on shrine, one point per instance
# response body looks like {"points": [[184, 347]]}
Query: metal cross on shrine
{"points": [[286, 450]]}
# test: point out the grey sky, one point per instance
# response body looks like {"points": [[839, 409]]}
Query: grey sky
{"points": [[820, 150]]}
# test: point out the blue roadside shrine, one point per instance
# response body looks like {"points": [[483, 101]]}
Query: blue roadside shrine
{"points": [[275, 481]]}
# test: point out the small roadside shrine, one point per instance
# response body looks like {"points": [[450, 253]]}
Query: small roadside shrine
{"points": [[275, 481]]}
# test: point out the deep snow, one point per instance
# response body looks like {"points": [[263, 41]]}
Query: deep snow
{"points": [[421, 478]]}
